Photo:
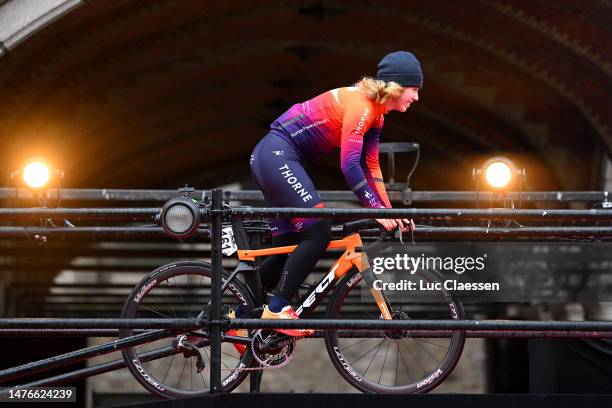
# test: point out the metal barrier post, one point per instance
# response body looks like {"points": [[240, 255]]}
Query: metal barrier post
{"points": [[253, 281], [215, 291]]}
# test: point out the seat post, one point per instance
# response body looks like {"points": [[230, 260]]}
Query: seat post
{"points": [[240, 235]]}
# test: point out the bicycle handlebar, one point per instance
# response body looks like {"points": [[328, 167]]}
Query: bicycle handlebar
{"points": [[356, 226]]}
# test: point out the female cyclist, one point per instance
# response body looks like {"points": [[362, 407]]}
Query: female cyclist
{"points": [[350, 118]]}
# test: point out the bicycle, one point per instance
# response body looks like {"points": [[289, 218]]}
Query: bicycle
{"points": [[180, 289]]}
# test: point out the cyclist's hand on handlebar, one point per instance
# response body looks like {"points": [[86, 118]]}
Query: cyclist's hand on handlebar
{"points": [[388, 224], [406, 224]]}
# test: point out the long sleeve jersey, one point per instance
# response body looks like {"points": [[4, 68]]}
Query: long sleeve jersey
{"points": [[344, 118]]}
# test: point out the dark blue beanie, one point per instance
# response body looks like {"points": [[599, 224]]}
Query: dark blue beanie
{"points": [[401, 67]]}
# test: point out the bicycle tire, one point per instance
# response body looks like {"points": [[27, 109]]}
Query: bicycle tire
{"points": [[172, 283], [349, 368]]}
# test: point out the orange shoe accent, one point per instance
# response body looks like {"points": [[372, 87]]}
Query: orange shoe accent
{"points": [[240, 348], [287, 314]]}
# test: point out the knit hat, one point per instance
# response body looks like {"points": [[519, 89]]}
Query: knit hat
{"points": [[401, 67]]}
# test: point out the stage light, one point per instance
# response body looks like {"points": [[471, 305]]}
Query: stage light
{"points": [[180, 217], [498, 173], [36, 174]]}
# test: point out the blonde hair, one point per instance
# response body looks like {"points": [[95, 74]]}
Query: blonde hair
{"points": [[377, 90]]}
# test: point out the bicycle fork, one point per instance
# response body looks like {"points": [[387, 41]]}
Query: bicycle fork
{"points": [[361, 262]]}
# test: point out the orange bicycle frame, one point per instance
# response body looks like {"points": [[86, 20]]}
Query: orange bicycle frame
{"points": [[349, 258]]}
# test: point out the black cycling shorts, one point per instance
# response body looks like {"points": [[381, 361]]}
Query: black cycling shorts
{"points": [[278, 169]]}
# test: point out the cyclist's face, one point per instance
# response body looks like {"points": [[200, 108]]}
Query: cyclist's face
{"points": [[408, 96]]}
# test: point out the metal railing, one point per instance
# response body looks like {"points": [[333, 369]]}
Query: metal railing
{"points": [[216, 324], [406, 196]]}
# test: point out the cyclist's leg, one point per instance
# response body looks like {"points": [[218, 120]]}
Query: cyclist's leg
{"points": [[314, 240], [280, 174], [271, 268], [282, 230]]}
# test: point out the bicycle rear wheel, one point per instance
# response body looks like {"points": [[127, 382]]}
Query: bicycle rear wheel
{"points": [[180, 290], [392, 361]]}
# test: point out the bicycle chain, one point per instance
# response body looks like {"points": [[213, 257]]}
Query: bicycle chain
{"points": [[263, 367]]}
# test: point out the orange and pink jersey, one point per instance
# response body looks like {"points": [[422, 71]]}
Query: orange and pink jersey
{"points": [[346, 119]]}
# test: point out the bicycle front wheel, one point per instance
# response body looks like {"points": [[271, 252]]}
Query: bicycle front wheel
{"points": [[181, 290], [392, 361]]}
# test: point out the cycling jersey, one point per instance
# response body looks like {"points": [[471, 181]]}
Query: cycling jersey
{"points": [[342, 118]]}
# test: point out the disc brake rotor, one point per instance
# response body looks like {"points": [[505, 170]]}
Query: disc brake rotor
{"points": [[397, 334], [272, 351]]}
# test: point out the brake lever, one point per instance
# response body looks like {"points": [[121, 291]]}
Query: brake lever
{"points": [[401, 237]]}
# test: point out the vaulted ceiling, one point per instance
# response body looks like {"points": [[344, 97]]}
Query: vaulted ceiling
{"points": [[159, 93]]}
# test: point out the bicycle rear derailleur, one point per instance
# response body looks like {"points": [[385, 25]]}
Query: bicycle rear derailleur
{"points": [[184, 344], [272, 349]]}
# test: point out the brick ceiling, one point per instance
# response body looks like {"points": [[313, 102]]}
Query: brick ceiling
{"points": [[156, 94]]}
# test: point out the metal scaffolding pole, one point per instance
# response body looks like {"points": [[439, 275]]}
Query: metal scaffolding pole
{"points": [[555, 233], [324, 324], [105, 214], [86, 232], [215, 292], [42, 324], [110, 214], [79, 355], [99, 368], [448, 213], [117, 195], [319, 334], [331, 324]]}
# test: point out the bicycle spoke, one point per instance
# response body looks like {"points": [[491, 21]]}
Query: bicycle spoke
{"points": [[404, 361], [158, 365], [208, 355], [368, 352], [429, 342], [426, 351], [168, 370], [189, 292], [396, 364], [354, 344], [182, 372], [373, 357], [384, 362], [180, 293], [417, 361], [229, 355], [166, 296], [195, 298], [156, 312]]}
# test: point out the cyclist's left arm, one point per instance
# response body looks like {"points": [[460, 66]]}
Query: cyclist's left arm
{"points": [[370, 162], [371, 168]]}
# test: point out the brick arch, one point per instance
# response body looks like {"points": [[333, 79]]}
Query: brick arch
{"points": [[127, 72]]}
